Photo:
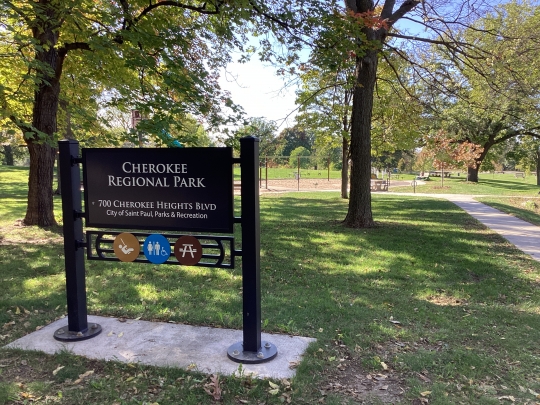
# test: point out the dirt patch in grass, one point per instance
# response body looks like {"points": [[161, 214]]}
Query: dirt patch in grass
{"points": [[351, 379], [12, 235]]}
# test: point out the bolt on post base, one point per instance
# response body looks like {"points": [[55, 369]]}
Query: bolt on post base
{"points": [[265, 353], [65, 335]]}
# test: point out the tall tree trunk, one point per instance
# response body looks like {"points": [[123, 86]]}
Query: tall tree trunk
{"points": [[359, 214], [8, 155], [40, 193], [538, 167], [472, 173], [41, 145], [345, 169]]}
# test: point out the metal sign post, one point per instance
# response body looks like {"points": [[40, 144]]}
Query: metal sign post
{"points": [[78, 327], [252, 349]]}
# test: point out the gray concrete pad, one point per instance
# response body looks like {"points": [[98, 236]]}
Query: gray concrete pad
{"points": [[169, 345]]}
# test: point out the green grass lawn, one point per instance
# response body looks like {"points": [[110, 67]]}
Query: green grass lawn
{"points": [[429, 305], [526, 208], [489, 184], [515, 196]]}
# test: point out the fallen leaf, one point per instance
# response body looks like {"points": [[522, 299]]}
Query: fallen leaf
{"points": [[17, 311], [508, 397], [384, 365], [86, 374], [130, 379], [83, 376], [110, 333], [536, 394], [292, 364], [121, 334], [57, 370], [213, 388], [425, 393], [273, 385], [423, 378], [273, 392], [384, 387]]}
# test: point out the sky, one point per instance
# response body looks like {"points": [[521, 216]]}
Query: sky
{"points": [[256, 87]]}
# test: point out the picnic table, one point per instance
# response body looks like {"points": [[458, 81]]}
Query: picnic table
{"points": [[438, 173], [379, 185], [519, 174]]}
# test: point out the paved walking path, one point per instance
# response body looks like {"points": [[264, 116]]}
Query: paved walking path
{"points": [[522, 234]]}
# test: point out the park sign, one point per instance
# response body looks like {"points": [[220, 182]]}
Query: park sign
{"points": [[189, 189], [171, 189]]}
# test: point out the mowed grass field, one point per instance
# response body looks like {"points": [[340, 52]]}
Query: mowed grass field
{"points": [[429, 307]]}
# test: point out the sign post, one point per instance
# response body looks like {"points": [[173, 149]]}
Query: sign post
{"points": [[252, 349], [78, 327]]}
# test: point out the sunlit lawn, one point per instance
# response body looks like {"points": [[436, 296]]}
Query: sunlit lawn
{"points": [[489, 184], [429, 300]]}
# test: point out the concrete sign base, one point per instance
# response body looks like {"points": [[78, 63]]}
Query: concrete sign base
{"points": [[168, 345]]}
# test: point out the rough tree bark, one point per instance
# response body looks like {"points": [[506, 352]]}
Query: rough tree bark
{"points": [[345, 149], [40, 145], [538, 167], [359, 214], [345, 169], [8, 155]]}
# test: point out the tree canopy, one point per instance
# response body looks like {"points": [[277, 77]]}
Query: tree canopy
{"points": [[161, 58], [491, 102]]}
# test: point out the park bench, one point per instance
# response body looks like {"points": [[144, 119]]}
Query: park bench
{"points": [[519, 174]]}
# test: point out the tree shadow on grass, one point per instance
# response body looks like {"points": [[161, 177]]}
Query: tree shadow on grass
{"points": [[427, 266]]}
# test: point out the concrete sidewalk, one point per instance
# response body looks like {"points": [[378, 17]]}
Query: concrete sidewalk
{"points": [[525, 236]]}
